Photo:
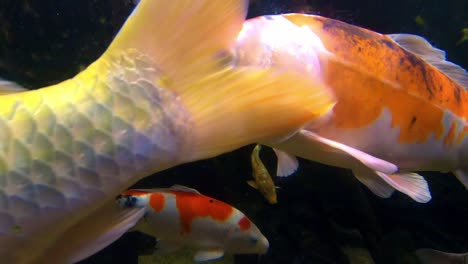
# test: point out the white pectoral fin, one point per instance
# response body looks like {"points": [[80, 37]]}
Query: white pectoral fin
{"points": [[383, 185], [374, 182], [411, 184], [94, 233], [369, 161], [462, 176], [208, 255], [287, 163]]}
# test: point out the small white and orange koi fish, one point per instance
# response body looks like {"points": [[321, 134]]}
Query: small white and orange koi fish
{"points": [[182, 217], [401, 107]]}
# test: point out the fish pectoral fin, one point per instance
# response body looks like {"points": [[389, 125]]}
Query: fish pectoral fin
{"points": [[369, 161], [95, 232], [252, 184], [208, 255], [462, 176], [434, 56], [374, 182], [166, 246], [287, 163], [411, 184], [7, 87], [383, 185]]}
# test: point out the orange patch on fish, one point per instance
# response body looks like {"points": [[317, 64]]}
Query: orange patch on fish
{"points": [[193, 205], [244, 223], [377, 74], [157, 201]]}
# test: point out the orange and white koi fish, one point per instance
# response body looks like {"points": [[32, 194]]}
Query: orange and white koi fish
{"points": [[182, 217], [162, 94], [401, 107], [262, 178]]}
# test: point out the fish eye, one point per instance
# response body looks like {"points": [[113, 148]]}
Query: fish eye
{"points": [[253, 240], [128, 201]]}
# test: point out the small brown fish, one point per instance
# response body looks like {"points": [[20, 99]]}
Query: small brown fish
{"points": [[262, 178], [464, 37]]}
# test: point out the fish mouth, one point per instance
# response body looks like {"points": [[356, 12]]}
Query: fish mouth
{"points": [[265, 245]]}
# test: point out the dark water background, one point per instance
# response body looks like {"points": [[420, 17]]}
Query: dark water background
{"points": [[321, 208]]}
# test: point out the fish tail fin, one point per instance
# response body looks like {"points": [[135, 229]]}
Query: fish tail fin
{"points": [[183, 37], [244, 106], [229, 106]]}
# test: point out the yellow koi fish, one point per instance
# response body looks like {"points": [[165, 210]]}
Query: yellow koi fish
{"points": [[401, 107], [162, 94], [262, 178]]}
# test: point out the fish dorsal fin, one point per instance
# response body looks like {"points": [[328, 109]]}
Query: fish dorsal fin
{"points": [[182, 188], [181, 36], [175, 187], [7, 87], [436, 57]]}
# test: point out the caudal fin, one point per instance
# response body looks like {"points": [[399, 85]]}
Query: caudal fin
{"points": [[188, 42]]}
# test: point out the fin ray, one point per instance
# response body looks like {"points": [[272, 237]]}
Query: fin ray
{"points": [[375, 183], [436, 57], [257, 96], [411, 184], [287, 163], [369, 161]]}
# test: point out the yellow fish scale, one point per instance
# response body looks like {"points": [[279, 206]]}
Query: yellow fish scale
{"points": [[68, 144]]}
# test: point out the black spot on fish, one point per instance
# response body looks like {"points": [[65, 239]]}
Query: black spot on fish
{"points": [[402, 60], [390, 44], [211, 201], [429, 87], [418, 63], [359, 49], [413, 121], [334, 26], [456, 94]]}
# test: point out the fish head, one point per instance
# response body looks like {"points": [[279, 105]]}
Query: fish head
{"points": [[132, 198], [246, 239]]}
